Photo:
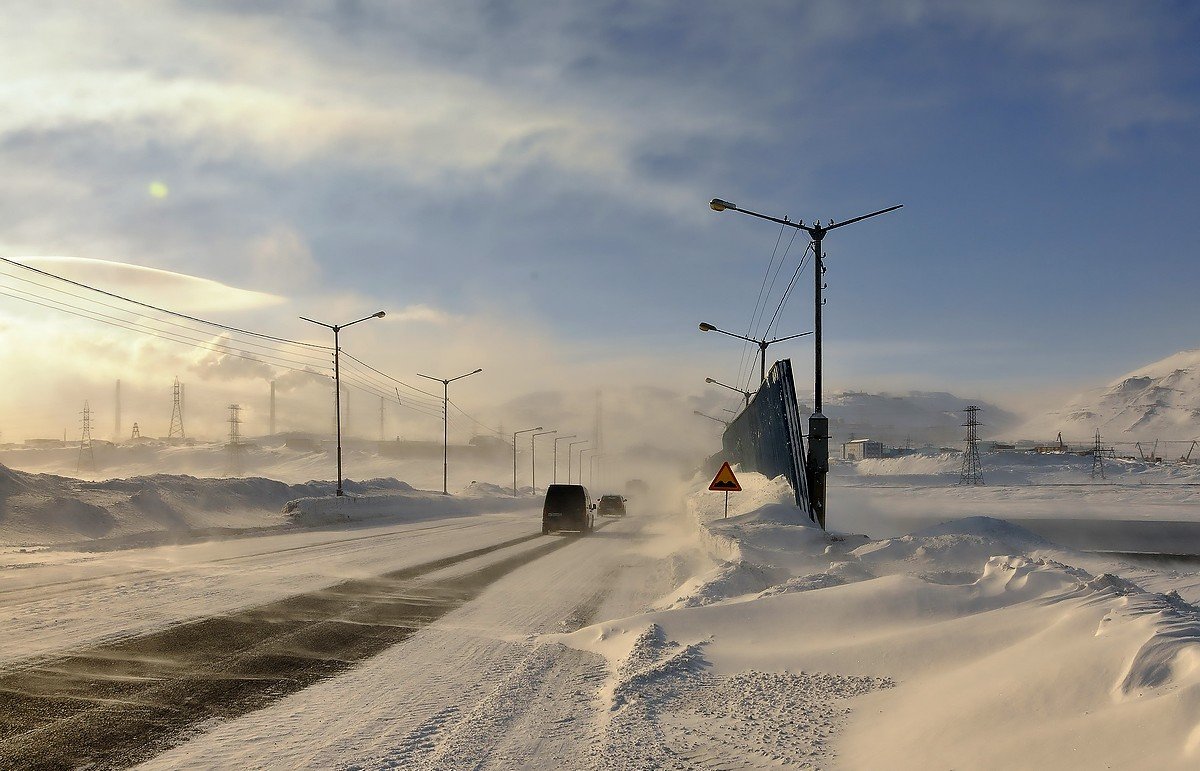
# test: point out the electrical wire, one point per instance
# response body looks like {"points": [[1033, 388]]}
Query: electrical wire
{"points": [[164, 310], [310, 359], [495, 431], [389, 377], [163, 335], [788, 291]]}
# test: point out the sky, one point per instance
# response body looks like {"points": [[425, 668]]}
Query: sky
{"points": [[523, 186]]}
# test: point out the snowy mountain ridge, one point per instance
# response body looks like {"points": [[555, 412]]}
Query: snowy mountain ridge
{"points": [[1160, 399]]}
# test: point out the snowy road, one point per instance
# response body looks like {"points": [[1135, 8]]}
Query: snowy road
{"points": [[54, 600], [385, 646]]}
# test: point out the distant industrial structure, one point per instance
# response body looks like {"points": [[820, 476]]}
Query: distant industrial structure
{"points": [[235, 440], [861, 449], [176, 428], [972, 472], [85, 440]]}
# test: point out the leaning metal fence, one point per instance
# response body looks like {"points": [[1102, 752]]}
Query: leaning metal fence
{"points": [[766, 436]]}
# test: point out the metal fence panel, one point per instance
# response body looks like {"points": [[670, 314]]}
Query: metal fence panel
{"points": [[766, 436]]}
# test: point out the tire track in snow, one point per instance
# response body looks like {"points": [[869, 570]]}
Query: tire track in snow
{"points": [[118, 704]]}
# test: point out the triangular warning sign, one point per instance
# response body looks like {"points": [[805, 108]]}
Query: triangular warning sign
{"points": [[725, 481]]}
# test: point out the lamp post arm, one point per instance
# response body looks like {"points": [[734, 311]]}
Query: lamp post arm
{"points": [[865, 216], [789, 337], [776, 220], [318, 323], [739, 337], [377, 315], [460, 377]]}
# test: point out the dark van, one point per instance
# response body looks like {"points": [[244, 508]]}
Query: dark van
{"points": [[567, 508]]}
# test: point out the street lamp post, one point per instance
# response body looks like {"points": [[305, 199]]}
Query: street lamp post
{"points": [[515, 433], [746, 394], [818, 424], [570, 452], [581, 452], [337, 382], [533, 456], [762, 347], [558, 439], [593, 462], [446, 420]]}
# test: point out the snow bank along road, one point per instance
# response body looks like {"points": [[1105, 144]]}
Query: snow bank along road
{"points": [[248, 626]]}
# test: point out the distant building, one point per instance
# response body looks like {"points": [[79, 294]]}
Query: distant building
{"points": [[861, 449]]}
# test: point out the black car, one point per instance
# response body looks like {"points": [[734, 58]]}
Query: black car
{"points": [[567, 508], [612, 506]]}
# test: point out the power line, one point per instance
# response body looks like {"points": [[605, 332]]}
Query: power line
{"points": [[389, 377], [787, 292], [164, 310], [134, 326], [137, 314], [161, 334], [495, 431]]}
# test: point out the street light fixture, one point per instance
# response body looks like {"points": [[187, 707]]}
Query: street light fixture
{"points": [[446, 420], [558, 439], [744, 393], [710, 417], [533, 456], [515, 433], [818, 424], [762, 347], [570, 452], [337, 382]]}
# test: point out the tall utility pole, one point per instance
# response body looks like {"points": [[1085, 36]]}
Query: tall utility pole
{"points": [[570, 452], [558, 439], [177, 412], [272, 427], [533, 456], [515, 435], [972, 473], [581, 452], [818, 424], [235, 440], [445, 420], [117, 424], [85, 440], [337, 383]]}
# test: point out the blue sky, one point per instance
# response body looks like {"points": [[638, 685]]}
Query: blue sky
{"points": [[540, 172]]}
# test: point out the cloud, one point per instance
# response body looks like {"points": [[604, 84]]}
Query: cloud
{"points": [[153, 286], [421, 313]]}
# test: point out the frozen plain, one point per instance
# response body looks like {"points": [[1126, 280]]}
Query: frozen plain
{"points": [[675, 639]]}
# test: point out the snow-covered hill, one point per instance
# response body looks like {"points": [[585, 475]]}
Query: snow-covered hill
{"points": [[918, 417], [1158, 400]]}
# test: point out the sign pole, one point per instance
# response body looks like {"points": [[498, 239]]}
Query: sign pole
{"points": [[726, 504]]}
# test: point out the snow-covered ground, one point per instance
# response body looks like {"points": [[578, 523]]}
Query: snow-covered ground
{"points": [[676, 638]]}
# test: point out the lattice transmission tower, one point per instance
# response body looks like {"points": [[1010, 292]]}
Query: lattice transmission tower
{"points": [[235, 440], [1099, 452], [972, 473], [137, 432], [85, 440], [177, 413]]}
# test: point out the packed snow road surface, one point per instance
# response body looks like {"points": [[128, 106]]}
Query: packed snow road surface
{"points": [[389, 645]]}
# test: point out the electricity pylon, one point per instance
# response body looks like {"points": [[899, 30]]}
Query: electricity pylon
{"points": [[972, 473]]}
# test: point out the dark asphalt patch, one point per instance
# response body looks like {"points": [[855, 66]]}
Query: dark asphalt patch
{"points": [[119, 704]]}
